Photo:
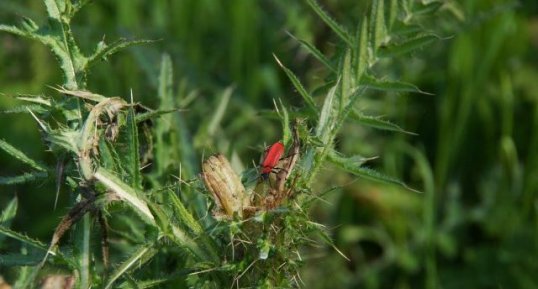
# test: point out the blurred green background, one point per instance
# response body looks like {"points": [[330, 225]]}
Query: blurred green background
{"points": [[474, 156]]}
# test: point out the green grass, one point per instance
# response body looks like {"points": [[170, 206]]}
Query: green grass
{"points": [[417, 123]]}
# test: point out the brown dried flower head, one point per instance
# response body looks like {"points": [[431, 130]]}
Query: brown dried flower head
{"points": [[225, 186]]}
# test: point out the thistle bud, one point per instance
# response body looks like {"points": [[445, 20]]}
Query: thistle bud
{"points": [[225, 185]]}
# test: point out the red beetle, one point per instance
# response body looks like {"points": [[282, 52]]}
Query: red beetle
{"points": [[273, 155]]}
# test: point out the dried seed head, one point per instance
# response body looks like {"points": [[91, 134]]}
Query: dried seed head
{"points": [[225, 185]]}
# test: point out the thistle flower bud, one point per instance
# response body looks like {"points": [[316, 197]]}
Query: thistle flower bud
{"points": [[225, 185]]}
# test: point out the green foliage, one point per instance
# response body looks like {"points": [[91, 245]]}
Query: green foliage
{"points": [[139, 214]]}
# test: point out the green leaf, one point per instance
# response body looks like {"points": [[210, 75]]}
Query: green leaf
{"points": [[126, 193], [9, 213], [23, 238], [300, 88], [103, 50], [166, 82], [378, 26], [20, 156], [133, 152], [25, 276], [87, 95], [164, 125], [348, 162], [65, 138], [138, 258], [55, 9], [162, 220], [10, 260], [323, 129], [186, 218], [21, 179], [316, 53], [26, 109], [347, 81], [390, 85], [377, 122], [361, 52], [394, 9], [183, 214], [14, 30], [82, 234], [109, 157], [7, 216], [38, 99], [406, 46], [373, 175], [218, 115], [141, 117], [340, 31]]}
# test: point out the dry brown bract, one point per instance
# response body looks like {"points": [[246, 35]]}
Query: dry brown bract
{"points": [[225, 186]]}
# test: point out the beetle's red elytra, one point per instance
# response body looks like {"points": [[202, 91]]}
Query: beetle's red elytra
{"points": [[273, 155]]}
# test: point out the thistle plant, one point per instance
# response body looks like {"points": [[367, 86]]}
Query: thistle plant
{"points": [[217, 228]]}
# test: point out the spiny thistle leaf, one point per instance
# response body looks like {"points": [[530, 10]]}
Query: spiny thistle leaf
{"points": [[377, 122], [87, 95], [390, 85], [373, 175], [347, 81], [394, 9], [137, 259], [340, 31], [38, 99], [406, 46], [21, 179], [353, 161], [282, 113], [22, 238], [166, 82], [26, 109], [163, 126], [324, 121], [141, 117], [7, 216], [133, 153], [109, 157], [362, 51], [65, 138], [297, 84], [8, 213], [14, 30], [55, 9], [104, 50], [218, 115], [21, 259], [21, 156], [183, 214], [377, 25], [126, 193], [316, 53]]}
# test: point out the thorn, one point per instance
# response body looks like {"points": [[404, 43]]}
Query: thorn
{"points": [[41, 124], [278, 60], [276, 107]]}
